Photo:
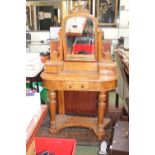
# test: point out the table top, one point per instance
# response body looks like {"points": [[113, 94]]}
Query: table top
{"points": [[35, 72], [80, 81], [80, 76]]}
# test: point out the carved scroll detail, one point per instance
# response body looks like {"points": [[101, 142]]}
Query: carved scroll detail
{"points": [[80, 7]]}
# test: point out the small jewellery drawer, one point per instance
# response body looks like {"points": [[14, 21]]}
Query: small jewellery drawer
{"points": [[75, 85]]}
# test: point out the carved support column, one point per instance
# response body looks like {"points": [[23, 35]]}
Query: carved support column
{"points": [[101, 111], [52, 98]]}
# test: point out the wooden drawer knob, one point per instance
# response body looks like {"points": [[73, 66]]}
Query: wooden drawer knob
{"points": [[82, 86], [69, 86]]}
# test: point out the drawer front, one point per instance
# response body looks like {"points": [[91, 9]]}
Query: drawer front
{"points": [[80, 86], [75, 85]]}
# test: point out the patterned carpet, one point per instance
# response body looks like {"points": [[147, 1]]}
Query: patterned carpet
{"points": [[83, 136]]}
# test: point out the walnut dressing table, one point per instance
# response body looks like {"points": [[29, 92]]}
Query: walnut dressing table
{"points": [[78, 63]]}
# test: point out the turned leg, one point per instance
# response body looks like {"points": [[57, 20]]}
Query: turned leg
{"points": [[52, 99], [101, 111]]}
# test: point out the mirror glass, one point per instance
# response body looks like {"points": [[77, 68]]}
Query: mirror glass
{"points": [[80, 38]]}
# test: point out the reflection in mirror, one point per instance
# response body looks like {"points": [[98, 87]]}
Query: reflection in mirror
{"points": [[80, 36]]}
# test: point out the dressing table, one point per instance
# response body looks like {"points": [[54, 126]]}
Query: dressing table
{"points": [[78, 62]]}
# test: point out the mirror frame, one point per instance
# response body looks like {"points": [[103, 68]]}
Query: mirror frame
{"points": [[79, 57]]}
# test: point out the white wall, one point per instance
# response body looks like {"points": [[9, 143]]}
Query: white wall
{"points": [[125, 3], [34, 48], [39, 35], [110, 33], [36, 38]]}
